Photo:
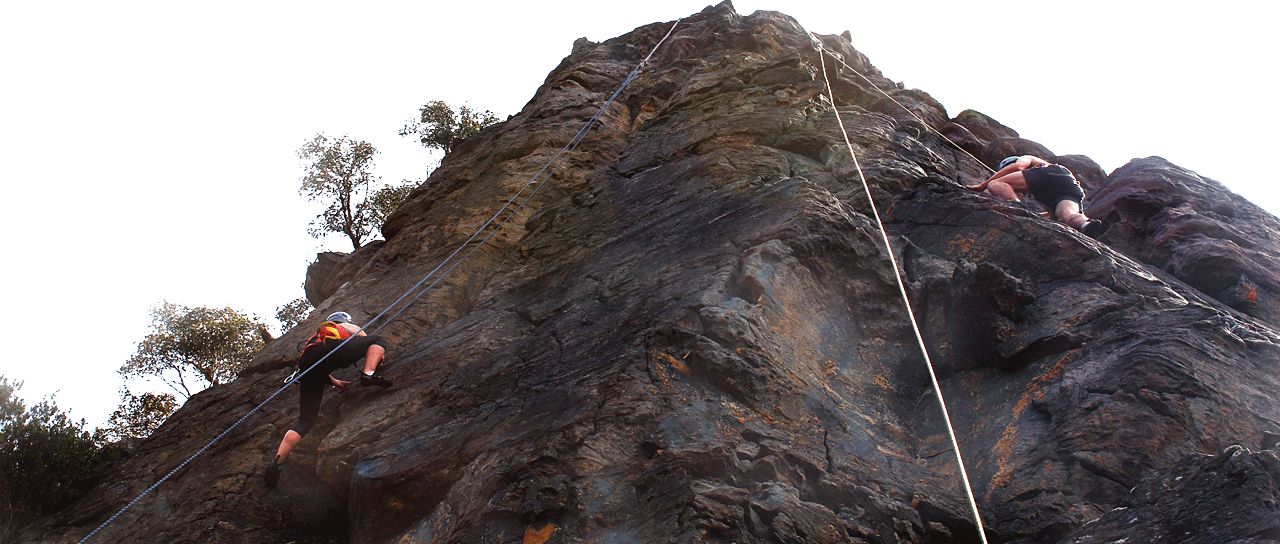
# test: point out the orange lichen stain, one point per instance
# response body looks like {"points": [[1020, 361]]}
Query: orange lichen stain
{"points": [[539, 536], [1251, 295], [882, 382], [675, 363], [1003, 453], [1004, 448], [890, 452], [1034, 390]]}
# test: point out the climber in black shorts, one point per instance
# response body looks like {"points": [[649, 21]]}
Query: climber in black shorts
{"points": [[337, 343], [1052, 185]]}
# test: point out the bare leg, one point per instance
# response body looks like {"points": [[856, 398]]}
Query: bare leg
{"points": [[1003, 190], [1008, 186], [291, 439], [1069, 212], [372, 358]]}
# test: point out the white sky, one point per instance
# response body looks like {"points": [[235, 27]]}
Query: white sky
{"points": [[148, 147]]}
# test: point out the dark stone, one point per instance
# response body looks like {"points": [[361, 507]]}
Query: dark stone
{"points": [[1195, 229], [1231, 497], [984, 127], [318, 275], [332, 270]]}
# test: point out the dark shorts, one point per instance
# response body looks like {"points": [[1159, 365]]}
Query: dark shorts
{"points": [[1052, 184], [312, 383]]}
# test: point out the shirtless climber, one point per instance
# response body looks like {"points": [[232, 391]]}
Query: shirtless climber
{"points": [[331, 334], [1051, 184]]}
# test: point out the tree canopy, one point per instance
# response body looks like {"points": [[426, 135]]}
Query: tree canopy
{"points": [[438, 126], [43, 455], [339, 172], [194, 347], [139, 415], [292, 313]]}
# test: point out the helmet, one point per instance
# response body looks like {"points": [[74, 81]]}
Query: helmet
{"points": [[1007, 161], [339, 317]]}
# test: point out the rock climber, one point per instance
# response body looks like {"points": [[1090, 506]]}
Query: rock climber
{"points": [[1051, 184], [345, 343]]}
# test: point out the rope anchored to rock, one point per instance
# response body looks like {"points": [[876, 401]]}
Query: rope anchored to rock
{"points": [[902, 288]]}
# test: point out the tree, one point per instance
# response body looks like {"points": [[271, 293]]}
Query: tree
{"points": [[139, 415], [438, 126], [292, 313], [340, 172], [190, 345], [43, 455]]}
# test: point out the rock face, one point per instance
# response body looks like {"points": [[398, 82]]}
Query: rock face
{"points": [[693, 333]]}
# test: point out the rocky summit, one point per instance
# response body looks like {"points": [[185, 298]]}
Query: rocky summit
{"points": [[693, 332]]}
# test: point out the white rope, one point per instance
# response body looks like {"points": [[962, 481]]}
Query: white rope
{"points": [[902, 288], [557, 160], [835, 55]]}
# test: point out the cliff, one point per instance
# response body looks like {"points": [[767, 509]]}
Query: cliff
{"points": [[693, 333]]}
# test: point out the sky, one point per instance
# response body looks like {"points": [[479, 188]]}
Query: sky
{"points": [[149, 148]]}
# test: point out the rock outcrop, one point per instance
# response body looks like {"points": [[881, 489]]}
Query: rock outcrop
{"points": [[693, 333]]}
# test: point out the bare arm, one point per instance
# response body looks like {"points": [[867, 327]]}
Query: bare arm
{"points": [[1006, 171], [1024, 162], [1031, 161]]}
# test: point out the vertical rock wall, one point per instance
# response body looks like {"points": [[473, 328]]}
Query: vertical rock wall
{"points": [[693, 333]]}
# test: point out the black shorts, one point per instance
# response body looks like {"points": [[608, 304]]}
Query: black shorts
{"points": [[1052, 184], [312, 383]]}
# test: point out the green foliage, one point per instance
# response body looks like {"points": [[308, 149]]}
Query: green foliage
{"points": [[339, 172], [138, 416], [194, 345], [43, 455], [292, 313], [384, 202], [438, 126]]}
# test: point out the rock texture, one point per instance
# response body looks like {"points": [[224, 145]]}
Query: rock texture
{"points": [[693, 333]]}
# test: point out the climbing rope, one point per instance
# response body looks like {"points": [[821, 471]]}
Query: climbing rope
{"points": [[557, 161], [902, 288], [838, 58]]}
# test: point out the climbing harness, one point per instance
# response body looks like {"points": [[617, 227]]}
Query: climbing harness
{"points": [[329, 330], [557, 161], [902, 286]]}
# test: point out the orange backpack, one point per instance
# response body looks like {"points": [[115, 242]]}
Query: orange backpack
{"points": [[327, 330]]}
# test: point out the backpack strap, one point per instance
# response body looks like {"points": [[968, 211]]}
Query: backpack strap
{"points": [[326, 331]]}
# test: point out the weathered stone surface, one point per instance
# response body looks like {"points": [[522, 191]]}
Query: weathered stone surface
{"points": [[318, 275], [693, 333], [1233, 497], [1197, 230], [333, 270]]}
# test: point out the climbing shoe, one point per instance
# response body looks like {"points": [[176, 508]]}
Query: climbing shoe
{"points": [[272, 475], [375, 379], [1092, 228]]}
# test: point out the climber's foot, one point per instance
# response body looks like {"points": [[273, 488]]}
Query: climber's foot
{"points": [[1092, 228], [272, 474], [375, 379]]}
